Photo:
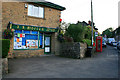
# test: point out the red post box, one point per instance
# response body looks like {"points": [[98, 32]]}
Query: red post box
{"points": [[99, 44]]}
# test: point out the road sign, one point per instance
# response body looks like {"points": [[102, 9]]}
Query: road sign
{"points": [[96, 33]]}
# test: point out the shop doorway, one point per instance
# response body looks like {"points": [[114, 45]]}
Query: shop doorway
{"points": [[47, 45]]}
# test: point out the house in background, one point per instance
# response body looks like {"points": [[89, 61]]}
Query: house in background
{"points": [[83, 23], [116, 34], [35, 26]]}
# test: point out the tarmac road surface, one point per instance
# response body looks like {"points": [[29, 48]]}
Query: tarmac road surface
{"points": [[102, 65]]}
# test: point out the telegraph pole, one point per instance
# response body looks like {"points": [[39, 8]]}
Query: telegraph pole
{"points": [[92, 21]]}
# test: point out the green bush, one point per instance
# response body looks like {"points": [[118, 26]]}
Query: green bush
{"points": [[87, 41], [76, 31], [5, 47]]}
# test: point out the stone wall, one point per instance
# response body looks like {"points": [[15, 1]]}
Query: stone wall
{"points": [[25, 53], [53, 43], [4, 66], [57, 45], [0, 68], [73, 50], [83, 49]]}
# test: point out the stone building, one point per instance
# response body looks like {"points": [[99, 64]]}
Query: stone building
{"points": [[35, 26], [116, 34]]}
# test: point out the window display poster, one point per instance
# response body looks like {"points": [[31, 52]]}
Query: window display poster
{"points": [[23, 47], [17, 43], [20, 43], [17, 39], [18, 35], [47, 41], [31, 42], [27, 42], [47, 49], [36, 42], [23, 35], [20, 39]]}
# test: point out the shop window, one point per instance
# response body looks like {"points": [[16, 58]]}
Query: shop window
{"points": [[35, 11], [27, 39], [27, 42]]}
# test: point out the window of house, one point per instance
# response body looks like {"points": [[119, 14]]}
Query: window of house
{"points": [[35, 11]]}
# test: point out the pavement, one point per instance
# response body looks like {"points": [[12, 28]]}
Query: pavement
{"points": [[102, 65]]}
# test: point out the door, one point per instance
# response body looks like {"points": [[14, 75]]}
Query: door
{"points": [[47, 46]]}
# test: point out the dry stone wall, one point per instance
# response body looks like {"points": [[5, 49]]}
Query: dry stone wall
{"points": [[4, 66], [72, 50]]}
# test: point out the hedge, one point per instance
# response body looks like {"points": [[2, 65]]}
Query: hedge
{"points": [[87, 41], [5, 47]]}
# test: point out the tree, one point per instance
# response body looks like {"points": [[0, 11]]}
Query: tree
{"points": [[108, 32], [62, 29], [76, 31], [88, 34]]}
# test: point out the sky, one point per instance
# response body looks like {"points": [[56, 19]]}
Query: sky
{"points": [[105, 12]]}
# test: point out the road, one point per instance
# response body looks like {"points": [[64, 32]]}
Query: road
{"points": [[102, 65]]}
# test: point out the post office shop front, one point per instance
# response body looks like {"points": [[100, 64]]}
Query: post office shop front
{"points": [[32, 38]]}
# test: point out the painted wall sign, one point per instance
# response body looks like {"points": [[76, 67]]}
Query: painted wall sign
{"points": [[33, 28]]}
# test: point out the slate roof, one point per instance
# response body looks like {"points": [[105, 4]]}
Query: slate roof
{"points": [[51, 5]]}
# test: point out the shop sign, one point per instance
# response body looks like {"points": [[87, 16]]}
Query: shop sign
{"points": [[33, 28]]}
